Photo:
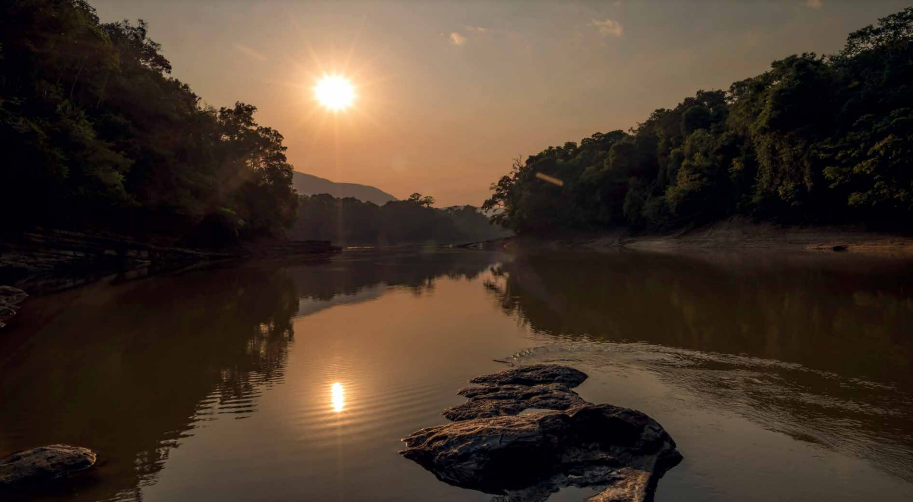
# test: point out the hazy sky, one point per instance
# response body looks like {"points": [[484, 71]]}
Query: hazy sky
{"points": [[449, 93]]}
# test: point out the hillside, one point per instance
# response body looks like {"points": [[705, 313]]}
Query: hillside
{"points": [[815, 140], [307, 184]]}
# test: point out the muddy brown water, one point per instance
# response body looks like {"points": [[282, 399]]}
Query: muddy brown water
{"points": [[780, 376]]}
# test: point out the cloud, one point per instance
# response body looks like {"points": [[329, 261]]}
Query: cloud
{"points": [[477, 28], [608, 27], [814, 4], [457, 39], [250, 52]]}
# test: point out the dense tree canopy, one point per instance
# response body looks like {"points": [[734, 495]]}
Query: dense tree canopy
{"points": [[350, 221], [93, 129], [812, 140]]}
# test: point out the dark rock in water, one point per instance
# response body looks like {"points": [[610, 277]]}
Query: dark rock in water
{"points": [[614, 446], [9, 297], [490, 448], [45, 463], [840, 248], [534, 375], [486, 402]]}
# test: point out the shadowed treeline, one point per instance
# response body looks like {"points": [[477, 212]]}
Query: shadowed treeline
{"points": [[815, 139], [97, 135], [349, 221]]}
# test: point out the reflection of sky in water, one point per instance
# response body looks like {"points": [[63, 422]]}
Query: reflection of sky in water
{"points": [[307, 306]]}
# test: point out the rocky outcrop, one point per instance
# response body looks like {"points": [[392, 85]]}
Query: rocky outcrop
{"points": [[11, 295], [534, 375], [45, 463], [9, 298], [509, 392], [486, 402], [491, 448]]}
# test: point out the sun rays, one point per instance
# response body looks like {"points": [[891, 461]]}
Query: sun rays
{"points": [[335, 92]]}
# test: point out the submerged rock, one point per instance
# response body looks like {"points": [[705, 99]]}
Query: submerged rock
{"points": [[489, 447], [534, 375], [44, 463]]}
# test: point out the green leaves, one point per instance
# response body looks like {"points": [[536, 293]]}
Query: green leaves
{"points": [[99, 133], [813, 139]]}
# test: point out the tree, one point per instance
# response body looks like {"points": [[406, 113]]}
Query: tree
{"points": [[97, 134], [812, 140], [350, 221], [417, 198]]}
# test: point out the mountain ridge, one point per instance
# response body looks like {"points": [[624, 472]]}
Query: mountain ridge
{"points": [[308, 184]]}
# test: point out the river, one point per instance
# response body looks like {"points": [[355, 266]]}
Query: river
{"points": [[781, 376]]}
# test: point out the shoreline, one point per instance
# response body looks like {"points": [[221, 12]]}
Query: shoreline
{"points": [[734, 233], [46, 260]]}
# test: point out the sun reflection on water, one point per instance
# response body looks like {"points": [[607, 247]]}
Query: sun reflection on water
{"points": [[338, 397]]}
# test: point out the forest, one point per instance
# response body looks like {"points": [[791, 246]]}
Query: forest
{"points": [[349, 221], [96, 133], [814, 140]]}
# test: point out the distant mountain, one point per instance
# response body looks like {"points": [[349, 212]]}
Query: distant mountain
{"points": [[306, 184]]}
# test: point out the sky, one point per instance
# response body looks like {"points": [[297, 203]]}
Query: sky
{"points": [[448, 93]]}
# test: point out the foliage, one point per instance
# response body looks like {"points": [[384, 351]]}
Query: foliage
{"points": [[95, 130], [812, 140], [350, 221], [417, 198]]}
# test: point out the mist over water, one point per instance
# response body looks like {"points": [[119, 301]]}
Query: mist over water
{"points": [[780, 378]]}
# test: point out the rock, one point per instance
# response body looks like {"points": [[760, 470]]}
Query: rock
{"points": [[619, 447], [489, 447], [44, 463], [11, 295], [486, 402], [534, 375]]}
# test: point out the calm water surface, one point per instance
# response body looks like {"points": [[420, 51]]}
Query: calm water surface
{"points": [[780, 377]]}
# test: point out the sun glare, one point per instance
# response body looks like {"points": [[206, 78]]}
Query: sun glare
{"points": [[337, 397], [334, 92]]}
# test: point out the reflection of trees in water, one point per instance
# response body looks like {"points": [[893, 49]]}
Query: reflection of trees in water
{"points": [[816, 347], [262, 361], [130, 371], [822, 311], [416, 271]]}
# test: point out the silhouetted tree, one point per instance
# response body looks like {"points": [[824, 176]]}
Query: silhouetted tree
{"points": [[417, 198], [350, 221], [96, 132]]}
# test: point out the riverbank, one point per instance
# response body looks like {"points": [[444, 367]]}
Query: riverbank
{"points": [[731, 233], [50, 260]]}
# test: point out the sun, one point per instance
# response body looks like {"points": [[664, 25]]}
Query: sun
{"points": [[334, 92]]}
